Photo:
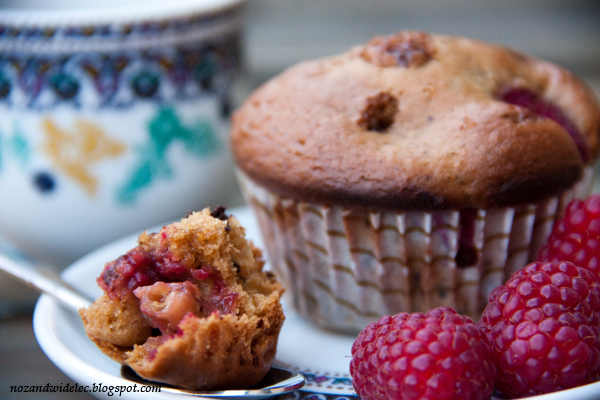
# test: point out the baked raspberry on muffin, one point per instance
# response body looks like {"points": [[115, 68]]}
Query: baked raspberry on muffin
{"points": [[190, 306], [414, 171]]}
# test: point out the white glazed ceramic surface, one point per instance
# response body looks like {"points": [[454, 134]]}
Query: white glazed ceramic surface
{"points": [[321, 355], [113, 115]]}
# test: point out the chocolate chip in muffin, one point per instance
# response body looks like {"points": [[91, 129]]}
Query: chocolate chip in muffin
{"points": [[270, 275], [379, 112], [219, 213]]}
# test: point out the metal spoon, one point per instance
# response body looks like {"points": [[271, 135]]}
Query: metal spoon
{"points": [[277, 381], [45, 280], [41, 278]]}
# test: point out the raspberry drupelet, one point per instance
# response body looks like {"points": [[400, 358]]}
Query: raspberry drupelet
{"points": [[576, 237], [544, 329], [439, 355]]}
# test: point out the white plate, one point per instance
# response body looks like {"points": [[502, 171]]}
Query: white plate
{"points": [[323, 356]]}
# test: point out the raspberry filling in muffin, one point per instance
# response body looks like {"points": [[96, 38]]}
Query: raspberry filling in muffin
{"points": [[190, 306], [526, 98], [166, 288], [467, 254]]}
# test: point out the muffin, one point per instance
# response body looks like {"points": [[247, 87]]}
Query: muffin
{"points": [[414, 171], [190, 306]]}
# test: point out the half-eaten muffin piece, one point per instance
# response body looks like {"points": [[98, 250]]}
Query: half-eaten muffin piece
{"points": [[190, 306]]}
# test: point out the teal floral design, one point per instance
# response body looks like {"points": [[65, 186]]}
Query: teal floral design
{"points": [[16, 146], [1, 151], [342, 381], [164, 129], [19, 147]]}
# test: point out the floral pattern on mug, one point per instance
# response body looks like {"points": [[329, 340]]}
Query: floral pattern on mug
{"points": [[199, 140], [119, 79], [75, 150]]}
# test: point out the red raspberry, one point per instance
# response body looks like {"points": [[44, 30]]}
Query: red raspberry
{"points": [[544, 329], [441, 355], [576, 237]]}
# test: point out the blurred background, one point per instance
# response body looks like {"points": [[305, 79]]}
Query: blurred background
{"points": [[283, 32], [279, 33]]}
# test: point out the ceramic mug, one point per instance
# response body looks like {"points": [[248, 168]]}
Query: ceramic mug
{"points": [[113, 118]]}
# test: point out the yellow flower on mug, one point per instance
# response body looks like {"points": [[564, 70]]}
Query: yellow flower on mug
{"points": [[75, 150]]}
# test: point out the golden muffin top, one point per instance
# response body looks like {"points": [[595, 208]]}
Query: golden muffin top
{"points": [[418, 121]]}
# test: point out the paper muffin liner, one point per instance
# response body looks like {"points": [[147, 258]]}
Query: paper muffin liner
{"points": [[343, 269]]}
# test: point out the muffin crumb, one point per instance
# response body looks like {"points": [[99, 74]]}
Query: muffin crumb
{"points": [[190, 306]]}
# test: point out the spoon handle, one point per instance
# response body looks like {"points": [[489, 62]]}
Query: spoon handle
{"points": [[40, 278]]}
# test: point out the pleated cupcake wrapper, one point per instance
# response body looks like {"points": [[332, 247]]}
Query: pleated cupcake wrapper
{"points": [[343, 269]]}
